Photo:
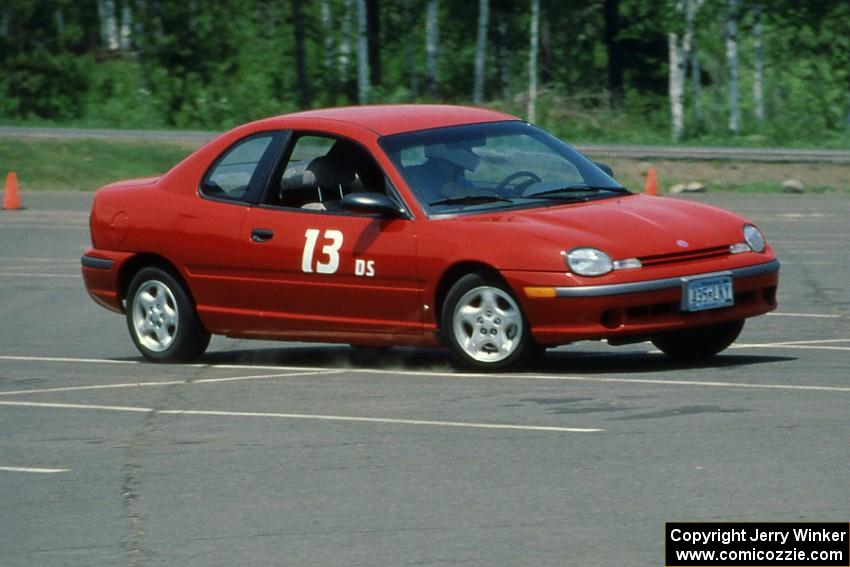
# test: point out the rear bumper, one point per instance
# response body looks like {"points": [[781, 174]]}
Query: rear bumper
{"points": [[101, 274], [96, 263], [624, 312]]}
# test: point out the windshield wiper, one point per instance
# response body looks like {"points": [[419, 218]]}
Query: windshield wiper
{"points": [[470, 200], [554, 193]]}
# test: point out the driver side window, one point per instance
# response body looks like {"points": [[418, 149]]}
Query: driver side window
{"points": [[500, 155]]}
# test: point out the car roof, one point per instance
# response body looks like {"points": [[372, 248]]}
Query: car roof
{"points": [[386, 119]]}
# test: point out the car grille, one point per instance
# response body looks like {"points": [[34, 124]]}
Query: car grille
{"points": [[685, 256]]}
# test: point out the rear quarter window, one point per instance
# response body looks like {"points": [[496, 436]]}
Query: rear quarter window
{"points": [[230, 177]]}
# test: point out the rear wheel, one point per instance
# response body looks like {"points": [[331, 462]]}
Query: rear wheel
{"points": [[162, 320], [698, 343], [484, 326]]}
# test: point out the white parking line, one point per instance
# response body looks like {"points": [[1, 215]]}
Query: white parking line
{"points": [[39, 275], [76, 262], [812, 263], [307, 416], [787, 346], [162, 383], [265, 376], [66, 359], [94, 387], [488, 376], [818, 344], [819, 243], [810, 315], [41, 226], [789, 343], [619, 380], [33, 470], [15, 269], [71, 360]]}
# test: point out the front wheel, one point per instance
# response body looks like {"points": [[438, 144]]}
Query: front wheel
{"points": [[698, 343], [484, 326], [162, 320]]}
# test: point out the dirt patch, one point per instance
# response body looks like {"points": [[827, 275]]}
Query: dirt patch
{"points": [[733, 175]]}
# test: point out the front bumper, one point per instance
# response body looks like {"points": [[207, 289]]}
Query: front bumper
{"points": [[629, 311], [663, 283]]}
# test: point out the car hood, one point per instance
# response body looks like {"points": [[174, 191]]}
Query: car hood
{"points": [[624, 227]]}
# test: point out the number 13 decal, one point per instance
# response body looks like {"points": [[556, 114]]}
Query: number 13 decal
{"points": [[329, 250]]}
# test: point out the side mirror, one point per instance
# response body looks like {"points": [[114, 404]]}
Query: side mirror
{"points": [[604, 167], [371, 203]]}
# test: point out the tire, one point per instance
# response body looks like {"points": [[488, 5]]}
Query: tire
{"points": [[484, 326], [162, 320], [699, 343]]}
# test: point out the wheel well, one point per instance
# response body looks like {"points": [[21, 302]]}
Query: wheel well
{"points": [[132, 266], [453, 274]]}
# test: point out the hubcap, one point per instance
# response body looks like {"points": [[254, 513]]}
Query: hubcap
{"points": [[487, 324], [155, 317]]}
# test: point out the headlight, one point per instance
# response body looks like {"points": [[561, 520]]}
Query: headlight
{"points": [[754, 238], [589, 262]]}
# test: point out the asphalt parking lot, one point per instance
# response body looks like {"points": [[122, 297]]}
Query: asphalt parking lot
{"points": [[290, 454]]}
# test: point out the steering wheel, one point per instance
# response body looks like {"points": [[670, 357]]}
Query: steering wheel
{"points": [[532, 178]]}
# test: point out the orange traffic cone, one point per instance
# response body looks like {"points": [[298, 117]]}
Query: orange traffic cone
{"points": [[651, 182], [11, 199]]}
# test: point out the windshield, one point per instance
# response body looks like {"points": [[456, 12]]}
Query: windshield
{"points": [[494, 165]]}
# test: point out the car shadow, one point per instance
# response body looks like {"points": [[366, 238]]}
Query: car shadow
{"points": [[573, 360], [613, 362]]}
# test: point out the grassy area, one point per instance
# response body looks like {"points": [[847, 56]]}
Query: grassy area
{"points": [[84, 165], [737, 176]]}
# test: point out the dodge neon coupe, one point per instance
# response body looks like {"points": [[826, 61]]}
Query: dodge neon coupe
{"points": [[421, 225]]}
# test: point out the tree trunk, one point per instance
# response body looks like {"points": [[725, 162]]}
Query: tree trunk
{"points": [[345, 43], [408, 48], [732, 64], [373, 17], [696, 85], [193, 13], [432, 44], [108, 24], [301, 85], [679, 49], [327, 30], [611, 12], [532, 60], [267, 18], [481, 50], [758, 75], [675, 87], [125, 34], [362, 53], [59, 19], [504, 71]]}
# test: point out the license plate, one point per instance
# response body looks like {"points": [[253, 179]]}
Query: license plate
{"points": [[701, 294]]}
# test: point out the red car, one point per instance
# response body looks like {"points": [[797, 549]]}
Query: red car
{"points": [[417, 225]]}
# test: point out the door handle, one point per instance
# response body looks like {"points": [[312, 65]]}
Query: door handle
{"points": [[262, 234]]}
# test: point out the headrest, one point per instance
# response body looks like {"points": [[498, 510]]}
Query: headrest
{"points": [[331, 172], [459, 156]]}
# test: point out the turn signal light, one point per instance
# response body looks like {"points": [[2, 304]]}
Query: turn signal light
{"points": [[540, 292]]}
